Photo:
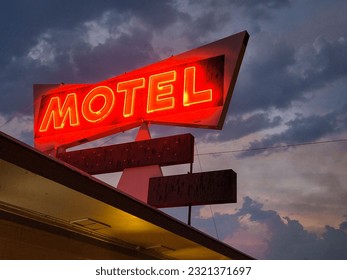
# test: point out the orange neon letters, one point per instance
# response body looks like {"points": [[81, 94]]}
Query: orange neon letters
{"points": [[159, 91], [162, 92], [58, 114], [129, 88], [191, 96], [93, 115]]}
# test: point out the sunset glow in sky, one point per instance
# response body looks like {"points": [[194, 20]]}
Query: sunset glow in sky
{"points": [[291, 90]]}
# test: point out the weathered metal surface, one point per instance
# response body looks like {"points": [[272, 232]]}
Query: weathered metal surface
{"points": [[164, 151], [213, 187]]}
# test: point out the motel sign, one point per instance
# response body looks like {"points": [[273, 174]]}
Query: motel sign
{"points": [[172, 90], [191, 89]]}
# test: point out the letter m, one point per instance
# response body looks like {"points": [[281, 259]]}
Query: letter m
{"points": [[58, 115]]}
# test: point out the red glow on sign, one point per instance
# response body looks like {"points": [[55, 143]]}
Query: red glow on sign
{"points": [[160, 92], [152, 96], [190, 95], [56, 115], [192, 89], [129, 88], [94, 113]]}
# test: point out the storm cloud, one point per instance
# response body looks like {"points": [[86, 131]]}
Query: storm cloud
{"points": [[291, 90], [276, 237]]}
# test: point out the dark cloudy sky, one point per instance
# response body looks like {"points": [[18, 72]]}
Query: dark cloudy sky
{"points": [[292, 89]]}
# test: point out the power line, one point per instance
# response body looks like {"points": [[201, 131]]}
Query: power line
{"points": [[258, 149], [273, 147], [26, 107], [197, 153], [214, 222], [212, 213]]}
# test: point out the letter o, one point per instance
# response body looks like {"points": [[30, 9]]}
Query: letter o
{"points": [[109, 99]]}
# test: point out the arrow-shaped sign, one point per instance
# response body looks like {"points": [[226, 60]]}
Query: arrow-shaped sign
{"points": [[191, 89]]}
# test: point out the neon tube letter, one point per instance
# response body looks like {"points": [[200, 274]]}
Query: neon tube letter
{"points": [[59, 114], [159, 91], [190, 95]]}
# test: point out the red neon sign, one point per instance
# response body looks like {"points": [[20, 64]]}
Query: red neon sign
{"points": [[190, 89]]}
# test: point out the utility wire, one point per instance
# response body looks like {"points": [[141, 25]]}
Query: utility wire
{"points": [[256, 149], [212, 213], [273, 147], [197, 153], [214, 222]]}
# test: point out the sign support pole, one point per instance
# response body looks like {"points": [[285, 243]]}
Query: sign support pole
{"points": [[135, 181], [189, 214]]}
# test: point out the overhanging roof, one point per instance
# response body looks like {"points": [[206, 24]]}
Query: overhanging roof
{"points": [[44, 192]]}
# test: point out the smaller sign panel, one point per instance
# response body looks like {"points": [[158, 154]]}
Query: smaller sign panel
{"points": [[204, 188], [164, 151]]}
